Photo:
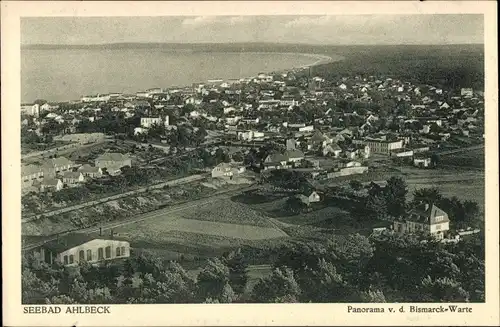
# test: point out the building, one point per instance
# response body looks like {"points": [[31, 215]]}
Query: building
{"points": [[467, 92], [332, 149], [380, 146], [250, 135], [73, 177], [227, 170], [291, 144], [49, 184], [276, 161], [402, 153], [148, 122], [346, 169], [48, 168], [294, 156], [113, 161], [72, 249], [318, 140], [425, 218], [422, 162], [30, 173], [31, 110], [90, 171], [308, 198]]}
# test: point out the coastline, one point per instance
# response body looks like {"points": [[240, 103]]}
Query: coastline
{"points": [[321, 59]]}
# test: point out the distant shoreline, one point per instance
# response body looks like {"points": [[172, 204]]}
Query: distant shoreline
{"points": [[321, 59]]}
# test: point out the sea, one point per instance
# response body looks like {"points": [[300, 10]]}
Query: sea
{"points": [[67, 74]]}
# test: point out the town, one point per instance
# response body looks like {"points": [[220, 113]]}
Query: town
{"points": [[252, 166]]}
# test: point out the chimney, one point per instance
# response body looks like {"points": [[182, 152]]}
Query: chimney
{"points": [[111, 233], [100, 231], [426, 206]]}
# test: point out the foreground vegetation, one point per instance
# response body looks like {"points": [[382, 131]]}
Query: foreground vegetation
{"points": [[354, 269]]}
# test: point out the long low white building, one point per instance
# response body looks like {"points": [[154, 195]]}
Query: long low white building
{"points": [[72, 249]]}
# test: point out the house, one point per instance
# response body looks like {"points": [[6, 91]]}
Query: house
{"points": [[72, 249], [291, 144], [54, 166], [294, 156], [148, 122], [467, 92], [89, 171], [275, 161], [30, 173], [49, 184], [250, 135], [318, 140], [379, 145], [227, 170], [426, 129], [444, 106], [73, 177], [308, 198], [113, 161], [422, 162], [425, 218], [332, 149], [308, 128], [46, 107]]}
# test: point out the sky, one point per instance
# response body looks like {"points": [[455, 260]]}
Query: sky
{"points": [[332, 30]]}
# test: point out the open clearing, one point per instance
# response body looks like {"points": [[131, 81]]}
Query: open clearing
{"points": [[155, 228], [228, 212]]}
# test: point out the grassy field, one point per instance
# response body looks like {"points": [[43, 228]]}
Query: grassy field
{"points": [[472, 158], [465, 184], [228, 211], [202, 231], [154, 229]]}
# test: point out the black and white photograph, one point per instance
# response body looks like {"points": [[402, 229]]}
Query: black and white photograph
{"points": [[254, 159]]}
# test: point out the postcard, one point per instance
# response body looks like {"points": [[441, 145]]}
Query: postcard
{"points": [[250, 163]]}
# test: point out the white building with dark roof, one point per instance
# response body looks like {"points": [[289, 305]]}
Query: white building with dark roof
{"points": [[72, 249], [424, 218]]}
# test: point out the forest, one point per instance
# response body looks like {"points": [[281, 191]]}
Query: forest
{"points": [[337, 270]]}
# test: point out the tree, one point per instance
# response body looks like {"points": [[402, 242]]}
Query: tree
{"points": [[395, 194], [373, 296], [326, 285], [471, 211], [238, 271], [288, 179], [199, 135], [443, 290], [376, 206], [280, 287], [355, 185], [427, 195], [435, 159], [213, 281], [294, 205], [35, 290], [435, 129], [221, 156]]}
